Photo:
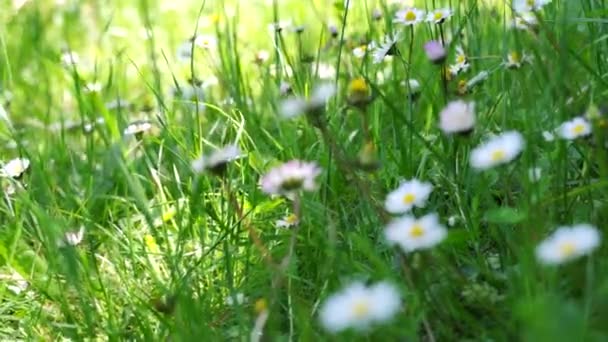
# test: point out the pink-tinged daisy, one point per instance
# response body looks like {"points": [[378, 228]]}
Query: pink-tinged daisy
{"points": [[290, 178]]}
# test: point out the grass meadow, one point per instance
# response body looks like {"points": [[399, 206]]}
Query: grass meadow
{"points": [[307, 170]]}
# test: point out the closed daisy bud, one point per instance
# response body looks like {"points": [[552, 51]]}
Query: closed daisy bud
{"points": [[368, 159], [359, 307], [290, 178], [294, 106], [333, 31], [575, 128], [15, 168], [498, 150], [477, 79], [261, 57], [409, 194], [359, 94], [72, 238], [568, 243], [217, 161], [457, 117], [413, 234]]}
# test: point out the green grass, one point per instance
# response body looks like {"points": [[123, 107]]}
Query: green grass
{"points": [[164, 248]]}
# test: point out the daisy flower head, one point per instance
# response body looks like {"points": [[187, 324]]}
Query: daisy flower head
{"points": [[439, 16], [363, 49], [15, 168], [457, 117], [73, 238], [568, 243], [523, 6], [409, 194], [291, 177], [359, 93], [412, 234], [409, 16], [387, 48], [217, 161], [498, 150], [295, 105], [288, 221], [575, 128], [261, 57], [515, 60], [413, 87], [524, 21], [359, 306], [138, 128]]}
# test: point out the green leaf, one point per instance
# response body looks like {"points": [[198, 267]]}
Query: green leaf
{"points": [[505, 215]]}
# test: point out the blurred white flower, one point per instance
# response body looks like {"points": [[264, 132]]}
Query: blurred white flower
{"points": [[412, 233], [409, 194], [568, 243], [138, 127], [575, 128], [523, 6], [295, 106], [290, 178], [498, 150], [216, 162], [72, 238], [15, 168], [457, 117], [534, 174], [386, 48], [288, 221], [358, 306]]}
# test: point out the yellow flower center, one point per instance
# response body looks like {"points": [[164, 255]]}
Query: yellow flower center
{"points": [[498, 155], [567, 249], [530, 2], [460, 59], [438, 16], [361, 308], [260, 305], [416, 231], [358, 85], [409, 198], [514, 56], [578, 129], [410, 16], [291, 219]]}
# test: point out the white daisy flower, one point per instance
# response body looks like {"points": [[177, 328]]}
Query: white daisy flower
{"points": [[414, 85], [457, 117], [412, 233], [362, 50], [15, 168], [295, 106], [409, 194], [409, 16], [515, 60], [70, 58], [216, 162], [498, 150], [461, 62], [290, 178], [288, 221], [524, 21], [568, 243], [205, 41], [72, 238], [137, 128], [523, 6], [262, 57], [387, 48], [575, 128], [359, 306], [548, 136], [325, 71], [439, 16]]}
